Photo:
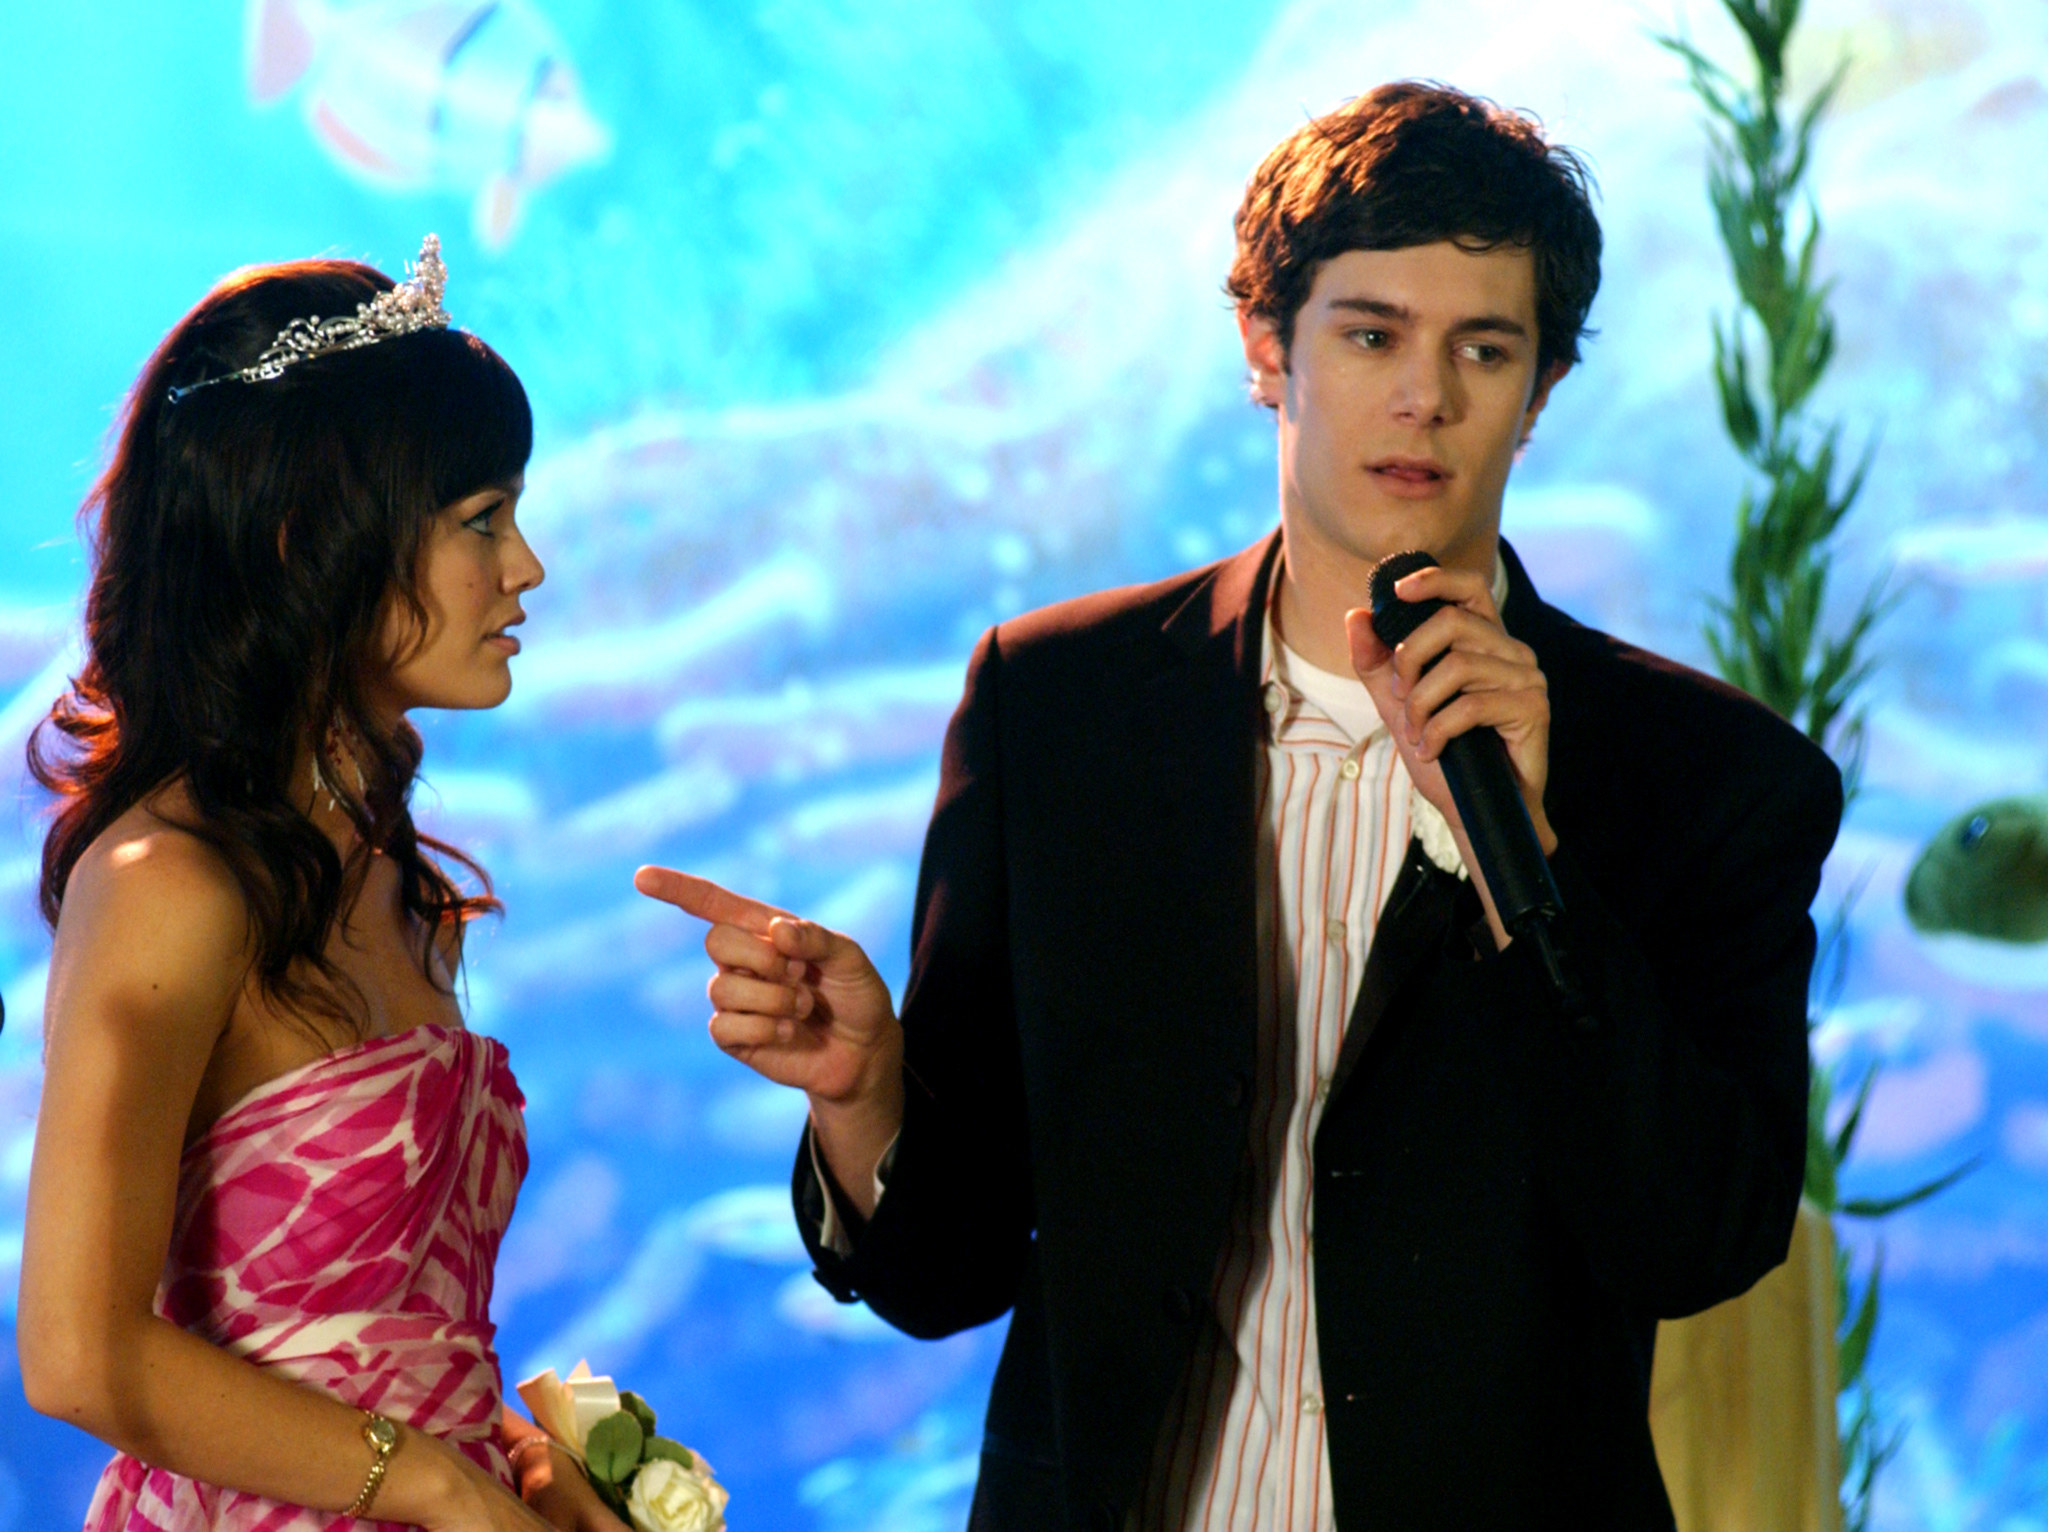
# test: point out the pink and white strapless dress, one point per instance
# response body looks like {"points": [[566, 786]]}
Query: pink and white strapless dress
{"points": [[339, 1225]]}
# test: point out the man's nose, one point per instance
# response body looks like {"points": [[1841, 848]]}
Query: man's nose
{"points": [[1424, 389]]}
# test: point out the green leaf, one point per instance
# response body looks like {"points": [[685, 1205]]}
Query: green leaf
{"points": [[1816, 106], [612, 1449], [1854, 1347], [674, 1451], [1884, 1207], [1799, 351], [1821, 1159], [1845, 1136], [1715, 87], [639, 1409], [1731, 375], [1767, 32]]}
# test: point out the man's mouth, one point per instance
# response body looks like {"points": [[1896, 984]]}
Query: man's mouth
{"points": [[1409, 470]]}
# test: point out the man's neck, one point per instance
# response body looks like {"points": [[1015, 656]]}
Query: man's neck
{"points": [[1318, 585]]}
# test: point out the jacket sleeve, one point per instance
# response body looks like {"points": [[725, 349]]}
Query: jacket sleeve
{"points": [[948, 1239], [1671, 1120]]}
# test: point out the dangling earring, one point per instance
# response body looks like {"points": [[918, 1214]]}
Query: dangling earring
{"points": [[339, 745]]}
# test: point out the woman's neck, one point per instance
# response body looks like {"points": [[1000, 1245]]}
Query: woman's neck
{"points": [[315, 792]]}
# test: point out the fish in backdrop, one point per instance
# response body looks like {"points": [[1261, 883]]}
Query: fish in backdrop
{"points": [[1985, 873], [475, 98]]}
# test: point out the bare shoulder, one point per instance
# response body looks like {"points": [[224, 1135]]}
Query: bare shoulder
{"points": [[152, 904], [146, 868]]}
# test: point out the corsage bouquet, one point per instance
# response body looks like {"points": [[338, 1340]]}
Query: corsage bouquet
{"points": [[657, 1484]]}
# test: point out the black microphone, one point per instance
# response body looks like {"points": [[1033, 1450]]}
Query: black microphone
{"points": [[1489, 800]]}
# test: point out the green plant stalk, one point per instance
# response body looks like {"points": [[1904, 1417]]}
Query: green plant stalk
{"points": [[1770, 635]]}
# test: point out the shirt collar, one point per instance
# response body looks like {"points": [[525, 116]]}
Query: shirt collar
{"points": [[1310, 697]]}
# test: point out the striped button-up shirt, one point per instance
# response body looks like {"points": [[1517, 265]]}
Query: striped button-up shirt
{"points": [[1243, 1445]]}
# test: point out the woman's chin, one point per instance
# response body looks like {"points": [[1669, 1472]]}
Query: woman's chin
{"points": [[490, 696], [477, 696]]}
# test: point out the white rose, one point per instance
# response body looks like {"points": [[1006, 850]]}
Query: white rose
{"points": [[667, 1497]]}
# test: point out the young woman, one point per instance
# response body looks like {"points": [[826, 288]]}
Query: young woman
{"points": [[271, 1168]]}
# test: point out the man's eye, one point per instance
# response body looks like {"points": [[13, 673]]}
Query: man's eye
{"points": [[1484, 354], [1372, 340]]}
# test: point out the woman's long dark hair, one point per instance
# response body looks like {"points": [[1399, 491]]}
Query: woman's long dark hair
{"points": [[248, 539]]}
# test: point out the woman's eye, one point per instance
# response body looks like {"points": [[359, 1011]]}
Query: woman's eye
{"points": [[481, 521]]}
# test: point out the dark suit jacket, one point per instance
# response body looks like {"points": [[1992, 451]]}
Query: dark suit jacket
{"points": [[1505, 1204]]}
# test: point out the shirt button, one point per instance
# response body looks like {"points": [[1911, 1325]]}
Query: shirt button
{"points": [[1323, 1083], [1334, 929], [1276, 698], [1311, 1404], [1349, 770]]}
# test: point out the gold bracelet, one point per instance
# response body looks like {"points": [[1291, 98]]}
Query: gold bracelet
{"points": [[382, 1436]]}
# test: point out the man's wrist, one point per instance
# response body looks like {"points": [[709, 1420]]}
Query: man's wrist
{"points": [[860, 1127], [853, 1134], [877, 1086]]}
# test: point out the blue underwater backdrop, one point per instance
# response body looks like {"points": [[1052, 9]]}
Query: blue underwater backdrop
{"points": [[853, 327]]}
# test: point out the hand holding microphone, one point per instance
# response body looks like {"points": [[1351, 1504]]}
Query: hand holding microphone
{"points": [[1470, 712]]}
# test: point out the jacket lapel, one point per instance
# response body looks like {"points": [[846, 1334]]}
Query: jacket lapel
{"points": [[1202, 726], [1411, 932]]}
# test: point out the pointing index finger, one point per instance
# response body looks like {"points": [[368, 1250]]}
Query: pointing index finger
{"points": [[706, 900]]}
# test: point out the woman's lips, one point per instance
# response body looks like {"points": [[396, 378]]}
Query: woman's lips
{"points": [[504, 643]]}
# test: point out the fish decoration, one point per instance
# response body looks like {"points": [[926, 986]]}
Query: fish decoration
{"points": [[475, 98], [1985, 874]]}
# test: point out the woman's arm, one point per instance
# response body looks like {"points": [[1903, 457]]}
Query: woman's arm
{"points": [[151, 955]]}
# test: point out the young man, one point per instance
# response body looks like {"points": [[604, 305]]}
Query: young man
{"points": [[1215, 1070]]}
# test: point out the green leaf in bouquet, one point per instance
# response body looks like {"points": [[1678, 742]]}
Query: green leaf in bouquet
{"points": [[613, 1447], [674, 1451], [639, 1409]]}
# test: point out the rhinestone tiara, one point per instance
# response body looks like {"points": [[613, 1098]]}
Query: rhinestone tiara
{"points": [[414, 304]]}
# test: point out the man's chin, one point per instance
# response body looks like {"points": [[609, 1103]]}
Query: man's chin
{"points": [[1447, 539], [1370, 527]]}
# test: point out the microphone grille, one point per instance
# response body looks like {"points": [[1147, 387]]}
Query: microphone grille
{"points": [[1392, 618]]}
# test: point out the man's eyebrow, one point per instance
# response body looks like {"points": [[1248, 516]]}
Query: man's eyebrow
{"points": [[1490, 324], [1377, 307], [1478, 324]]}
